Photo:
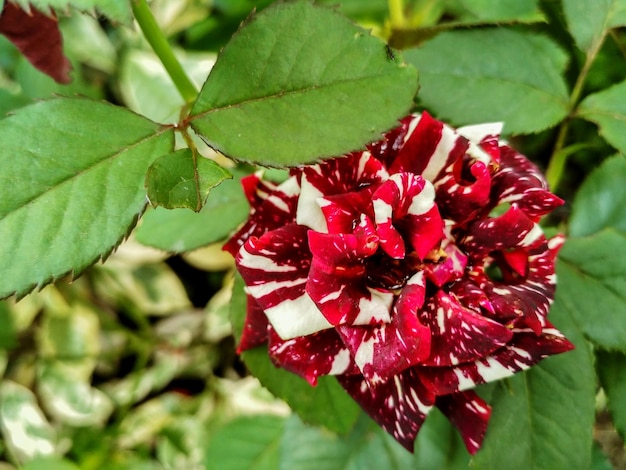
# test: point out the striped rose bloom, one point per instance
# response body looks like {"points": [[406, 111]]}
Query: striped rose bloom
{"points": [[412, 271]]}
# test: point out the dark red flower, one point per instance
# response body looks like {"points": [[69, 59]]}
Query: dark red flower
{"points": [[412, 271]]}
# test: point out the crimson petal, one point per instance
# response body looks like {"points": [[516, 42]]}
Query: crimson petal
{"points": [[399, 405], [275, 268], [469, 414], [383, 351], [335, 176], [255, 327], [519, 180], [525, 350], [322, 353], [459, 334], [406, 202], [271, 207], [336, 280]]}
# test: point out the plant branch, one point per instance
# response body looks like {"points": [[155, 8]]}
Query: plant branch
{"points": [[559, 156], [163, 50]]}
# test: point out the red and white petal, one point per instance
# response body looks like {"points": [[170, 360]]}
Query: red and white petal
{"points": [[274, 269], [459, 335], [469, 414], [336, 176], [525, 350], [486, 137], [429, 147], [450, 269], [312, 356], [344, 212], [513, 229], [405, 205], [255, 327], [383, 351], [519, 181], [337, 280], [462, 192], [399, 405], [271, 207], [526, 298]]}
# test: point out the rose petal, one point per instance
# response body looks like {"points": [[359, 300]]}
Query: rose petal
{"points": [[469, 414], [322, 353], [525, 350], [519, 181], [383, 351], [398, 405], [344, 212], [271, 207], [460, 198], [459, 335], [429, 147], [527, 298], [254, 331], [335, 176], [337, 281], [405, 202], [274, 268], [450, 269]]}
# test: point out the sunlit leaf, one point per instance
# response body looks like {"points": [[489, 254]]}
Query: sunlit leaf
{"points": [[607, 108], [298, 83], [180, 180], [72, 189], [473, 76], [25, 429]]}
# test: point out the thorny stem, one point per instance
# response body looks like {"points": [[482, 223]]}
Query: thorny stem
{"points": [[558, 159], [161, 47]]}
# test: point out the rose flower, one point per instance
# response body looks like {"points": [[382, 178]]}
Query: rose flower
{"points": [[412, 271]]}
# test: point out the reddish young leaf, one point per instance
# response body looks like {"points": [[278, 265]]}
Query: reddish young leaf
{"points": [[38, 37]]}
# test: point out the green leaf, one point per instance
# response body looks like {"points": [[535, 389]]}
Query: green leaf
{"points": [[147, 89], [613, 379], [71, 186], [8, 334], [599, 460], [607, 109], [246, 443], [473, 76], [51, 463], [180, 180], [498, 10], [10, 101], [589, 20], [601, 200], [592, 286], [112, 9], [298, 83], [179, 230], [71, 401], [366, 447], [326, 404], [543, 418], [25, 438]]}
